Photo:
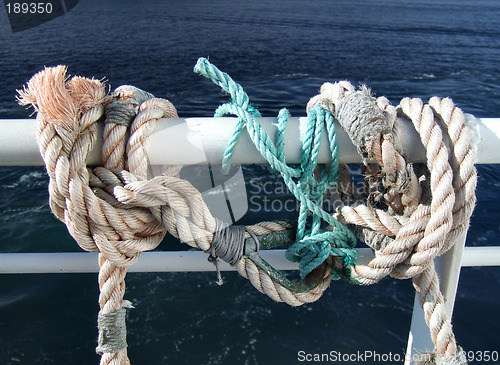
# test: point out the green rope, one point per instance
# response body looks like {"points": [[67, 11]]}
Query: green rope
{"points": [[312, 246]]}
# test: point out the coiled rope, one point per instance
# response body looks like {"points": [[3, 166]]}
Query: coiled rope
{"points": [[408, 214]]}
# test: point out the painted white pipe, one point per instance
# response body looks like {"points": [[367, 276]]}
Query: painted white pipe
{"points": [[481, 256], [159, 261], [185, 261], [201, 140]]}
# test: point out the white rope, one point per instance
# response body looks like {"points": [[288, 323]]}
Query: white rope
{"points": [[425, 215]]}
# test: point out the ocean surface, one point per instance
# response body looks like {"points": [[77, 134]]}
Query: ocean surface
{"points": [[281, 52]]}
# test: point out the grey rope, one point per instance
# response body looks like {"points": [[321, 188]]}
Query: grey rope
{"points": [[228, 242], [123, 109], [361, 118], [251, 245], [112, 330], [230, 245]]}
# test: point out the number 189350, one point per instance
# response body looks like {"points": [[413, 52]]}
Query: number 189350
{"points": [[29, 8]]}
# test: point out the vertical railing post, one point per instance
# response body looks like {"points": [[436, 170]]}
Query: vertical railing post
{"points": [[448, 269]]}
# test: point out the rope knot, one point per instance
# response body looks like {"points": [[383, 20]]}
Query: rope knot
{"points": [[407, 219], [309, 181], [312, 250]]}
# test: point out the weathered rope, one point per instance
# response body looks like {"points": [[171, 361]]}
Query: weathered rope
{"points": [[120, 213], [424, 225], [313, 246], [407, 213]]}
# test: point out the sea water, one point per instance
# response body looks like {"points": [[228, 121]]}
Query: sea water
{"points": [[281, 52]]}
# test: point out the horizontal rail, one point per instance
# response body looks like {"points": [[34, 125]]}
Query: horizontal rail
{"points": [[203, 140], [481, 256], [184, 261]]}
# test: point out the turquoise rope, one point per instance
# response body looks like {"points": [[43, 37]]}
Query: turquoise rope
{"points": [[312, 246]]}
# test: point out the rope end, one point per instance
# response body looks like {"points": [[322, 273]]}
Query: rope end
{"points": [[214, 260], [58, 100], [201, 65]]}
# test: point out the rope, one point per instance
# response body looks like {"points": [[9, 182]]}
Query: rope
{"points": [[112, 330], [407, 213], [315, 245], [228, 243], [415, 225], [118, 212]]}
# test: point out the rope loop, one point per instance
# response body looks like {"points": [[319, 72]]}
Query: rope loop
{"points": [[311, 180]]}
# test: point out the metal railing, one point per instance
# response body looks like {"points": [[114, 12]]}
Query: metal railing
{"points": [[202, 141]]}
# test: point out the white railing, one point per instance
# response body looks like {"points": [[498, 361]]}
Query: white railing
{"points": [[202, 141], [184, 261]]}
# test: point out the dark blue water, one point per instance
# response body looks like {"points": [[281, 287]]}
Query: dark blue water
{"points": [[281, 52]]}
